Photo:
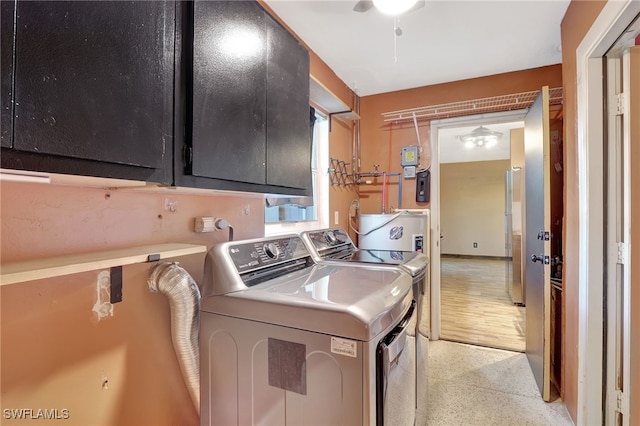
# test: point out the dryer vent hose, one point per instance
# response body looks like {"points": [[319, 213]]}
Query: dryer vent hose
{"points": [[183, 295]]}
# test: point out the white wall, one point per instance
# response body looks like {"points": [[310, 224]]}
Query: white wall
{"points": [[472, 207]]}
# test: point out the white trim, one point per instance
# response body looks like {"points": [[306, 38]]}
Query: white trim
{"points": [[611, 22], [626, 279], [470, 120], [434, 260]]}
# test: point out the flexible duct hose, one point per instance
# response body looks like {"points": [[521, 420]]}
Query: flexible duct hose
{"points": [[183, 295]]}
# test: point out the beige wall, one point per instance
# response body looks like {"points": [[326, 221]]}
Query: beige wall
{"points": [[517, 147], [472, 197], [577, 21]]}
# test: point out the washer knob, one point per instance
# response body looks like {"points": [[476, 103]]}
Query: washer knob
{"points": [[330, 236], [272, 250]]}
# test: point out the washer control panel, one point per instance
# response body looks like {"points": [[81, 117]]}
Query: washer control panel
{"points": [[266, 253], [330, 238]]}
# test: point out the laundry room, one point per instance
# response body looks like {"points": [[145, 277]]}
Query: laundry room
{"points": [[129, 146]]}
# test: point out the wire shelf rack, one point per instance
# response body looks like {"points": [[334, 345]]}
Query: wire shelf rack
{"points": [[474, 106]]}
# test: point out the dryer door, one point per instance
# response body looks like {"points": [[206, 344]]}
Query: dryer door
{"points": [[396, 374]]}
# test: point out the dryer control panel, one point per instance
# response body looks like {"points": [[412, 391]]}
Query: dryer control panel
{"points": [[266, 253]]}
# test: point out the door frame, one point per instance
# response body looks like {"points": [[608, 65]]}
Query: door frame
{"points": [[435, 126], [612, 21]]}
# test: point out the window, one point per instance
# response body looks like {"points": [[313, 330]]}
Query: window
{"points": [[293, 214]]}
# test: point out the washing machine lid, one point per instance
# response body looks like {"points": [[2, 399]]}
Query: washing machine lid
{"points": [[353, 303], [334, 245], [412, 262]]}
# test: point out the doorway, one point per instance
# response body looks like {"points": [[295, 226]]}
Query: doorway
{"points": [[477, 306], [473, 261]]}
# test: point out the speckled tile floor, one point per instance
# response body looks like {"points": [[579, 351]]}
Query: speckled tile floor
{"points": [[474, 385]]}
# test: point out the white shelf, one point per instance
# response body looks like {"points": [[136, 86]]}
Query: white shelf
{"points": [[17, 272], [346, 116]]}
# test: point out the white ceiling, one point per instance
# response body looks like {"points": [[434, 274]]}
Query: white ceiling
{"points": [[443, 41]]}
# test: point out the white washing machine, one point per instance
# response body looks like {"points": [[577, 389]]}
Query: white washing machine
{"points": [[286, 341], [334, 246]]}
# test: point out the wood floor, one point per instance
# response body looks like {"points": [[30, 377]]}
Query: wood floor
{"points": [[476, 307]]}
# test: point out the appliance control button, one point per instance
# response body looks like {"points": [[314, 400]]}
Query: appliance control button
{"points": [[272, 250], [331, 237]]}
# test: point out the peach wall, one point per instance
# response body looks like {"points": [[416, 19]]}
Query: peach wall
{"points": [[341, 196], [382, 142], [55, 352], [577, 21]]}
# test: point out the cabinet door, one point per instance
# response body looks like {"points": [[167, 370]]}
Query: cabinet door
{"points": [[288, 135], [7, 9], [229, 91], [94, 81]]}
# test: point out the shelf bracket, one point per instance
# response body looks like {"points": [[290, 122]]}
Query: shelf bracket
{"points": [[116, 285]]}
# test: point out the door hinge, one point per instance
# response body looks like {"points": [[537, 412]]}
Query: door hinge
{"points": [[621, 403], [620, 103], [617, 402], [623, 253]]}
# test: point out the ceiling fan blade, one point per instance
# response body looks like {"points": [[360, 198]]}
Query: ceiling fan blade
{"points": [[363, 5], [420, 4]]}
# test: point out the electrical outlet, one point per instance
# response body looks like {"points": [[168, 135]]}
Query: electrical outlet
{"points": [[475, 245]]}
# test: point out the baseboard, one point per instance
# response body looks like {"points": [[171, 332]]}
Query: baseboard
{"points": [[469, 256]]}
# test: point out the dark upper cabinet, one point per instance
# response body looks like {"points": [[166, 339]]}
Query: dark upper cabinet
{"points": [[288, 136], [247, 102], [7, 9], [229, 91], [208, 94], [93, 86]]}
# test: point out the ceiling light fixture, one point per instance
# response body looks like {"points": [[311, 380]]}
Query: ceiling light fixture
{"points": [[394, 7], [480, 138]]}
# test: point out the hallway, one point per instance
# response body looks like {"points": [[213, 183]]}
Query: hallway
{"points": [[473, 385], [476, 307]]}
